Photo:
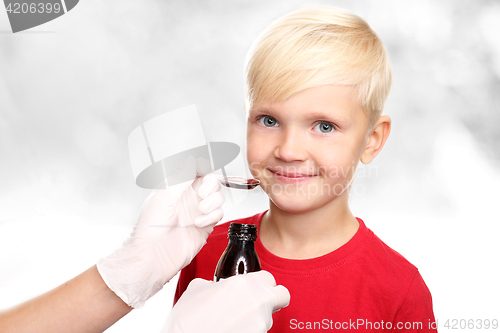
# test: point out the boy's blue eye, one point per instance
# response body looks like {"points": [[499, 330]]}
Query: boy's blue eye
{"points": [[325, 127], [268, 121]]}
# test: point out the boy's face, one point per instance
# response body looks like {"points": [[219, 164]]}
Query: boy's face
{"points": [[305, 150]]}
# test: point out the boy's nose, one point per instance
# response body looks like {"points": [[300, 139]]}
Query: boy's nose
{"points": [[291, 147]]}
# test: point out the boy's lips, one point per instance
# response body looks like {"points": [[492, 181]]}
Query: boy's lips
{"points": [[291, 177]]}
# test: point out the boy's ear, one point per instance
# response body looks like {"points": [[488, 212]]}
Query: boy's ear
{"points": [[376, 140]]}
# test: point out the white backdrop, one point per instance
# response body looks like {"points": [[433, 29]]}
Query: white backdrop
{"points": [[73, 89]]}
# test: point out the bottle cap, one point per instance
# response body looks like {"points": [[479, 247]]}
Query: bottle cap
{"points": [[240, 231]]}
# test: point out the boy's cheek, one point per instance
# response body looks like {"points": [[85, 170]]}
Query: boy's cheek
{"points": [[256, 152]]}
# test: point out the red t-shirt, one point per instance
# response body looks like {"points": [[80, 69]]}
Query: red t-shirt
{"points": [[362, 286]]}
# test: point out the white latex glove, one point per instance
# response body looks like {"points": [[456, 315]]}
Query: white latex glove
{"points": [[172, 227], [242, 303]]}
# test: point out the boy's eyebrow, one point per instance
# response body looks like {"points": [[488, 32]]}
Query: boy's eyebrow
{"points": [[260, 109], [311, 115], [319, 115]]}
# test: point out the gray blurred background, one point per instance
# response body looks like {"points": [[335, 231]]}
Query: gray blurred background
{"points": [[73, 89]]}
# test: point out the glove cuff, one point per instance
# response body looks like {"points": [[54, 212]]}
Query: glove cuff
{"points": [[130, 279]]}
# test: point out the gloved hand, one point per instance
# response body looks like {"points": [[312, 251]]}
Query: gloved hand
{"points": [[241, 303], [172, 227]]}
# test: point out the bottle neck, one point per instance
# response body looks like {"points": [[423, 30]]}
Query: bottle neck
{"points": [[240, 242]]}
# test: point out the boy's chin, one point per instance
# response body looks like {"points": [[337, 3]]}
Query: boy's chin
{"points": [[294, 205]]}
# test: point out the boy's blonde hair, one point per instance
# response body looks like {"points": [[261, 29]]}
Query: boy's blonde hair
{"points": [[317, 46]]}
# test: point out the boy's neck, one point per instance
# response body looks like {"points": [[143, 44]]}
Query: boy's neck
{"points": [[310, 234]]}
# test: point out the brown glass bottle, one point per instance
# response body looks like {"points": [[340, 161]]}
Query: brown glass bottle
{"points": [[240, 256]]}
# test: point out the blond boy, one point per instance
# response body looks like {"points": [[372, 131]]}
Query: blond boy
{"points": [[317, 80]]}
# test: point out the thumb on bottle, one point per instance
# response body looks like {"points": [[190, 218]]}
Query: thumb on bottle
{"points": [[197, 284], [265, 277], [282, 296]]}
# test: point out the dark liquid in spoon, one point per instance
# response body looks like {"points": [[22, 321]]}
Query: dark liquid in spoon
{"points": [[240, 183]]}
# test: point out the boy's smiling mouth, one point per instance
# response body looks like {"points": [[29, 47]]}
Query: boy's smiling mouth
{"points": [[290, 176]]}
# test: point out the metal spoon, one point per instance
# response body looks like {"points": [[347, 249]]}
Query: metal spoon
{"points": [[239, 182]]}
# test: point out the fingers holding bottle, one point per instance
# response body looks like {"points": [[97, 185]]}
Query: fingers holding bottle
{"points": [[249, 298]]}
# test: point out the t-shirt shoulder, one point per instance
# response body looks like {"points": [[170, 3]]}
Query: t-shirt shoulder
{"points": [[393, 258], [387, 266]]}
